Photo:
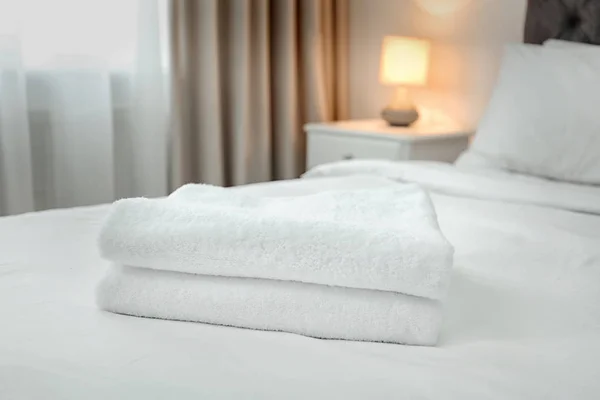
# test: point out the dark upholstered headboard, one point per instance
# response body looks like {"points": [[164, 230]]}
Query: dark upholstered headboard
{"points": [[574, 20]]}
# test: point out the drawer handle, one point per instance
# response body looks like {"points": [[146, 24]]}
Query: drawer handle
{"points": [[348, 156]]}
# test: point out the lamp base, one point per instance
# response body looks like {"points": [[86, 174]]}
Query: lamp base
{"points": [[399, 116]]}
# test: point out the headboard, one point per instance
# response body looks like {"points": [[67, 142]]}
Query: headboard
{"points": [[574, 20]]}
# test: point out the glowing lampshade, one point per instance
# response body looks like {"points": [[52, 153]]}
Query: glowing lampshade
{"points": [[404, 61], [442, 7]]}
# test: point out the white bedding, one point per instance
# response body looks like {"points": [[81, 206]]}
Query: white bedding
{"points": [[522, 318]]}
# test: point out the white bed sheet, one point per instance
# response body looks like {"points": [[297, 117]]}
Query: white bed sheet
{"points": [[522, 317]]}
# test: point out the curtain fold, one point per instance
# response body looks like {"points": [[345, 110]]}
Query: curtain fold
{"points": [[16, 175], [246, 75]]}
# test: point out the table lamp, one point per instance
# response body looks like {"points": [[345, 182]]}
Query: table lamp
{"points": [[404, 63]]}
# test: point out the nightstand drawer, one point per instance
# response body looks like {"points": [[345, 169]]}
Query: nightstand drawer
{"points": [[375, 139], [324, 148]]}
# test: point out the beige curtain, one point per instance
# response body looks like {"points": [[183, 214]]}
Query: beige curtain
{"points": [[247, 74]]}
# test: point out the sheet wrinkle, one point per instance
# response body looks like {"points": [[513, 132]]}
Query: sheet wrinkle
{"points": [[472, 183]]}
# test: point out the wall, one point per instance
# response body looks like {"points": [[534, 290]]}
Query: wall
{"points": [[466, 52]]}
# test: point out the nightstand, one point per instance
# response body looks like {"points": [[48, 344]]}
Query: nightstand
{"points": [[375, 139]]}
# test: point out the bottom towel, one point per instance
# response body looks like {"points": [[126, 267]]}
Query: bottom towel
{"points": [[307, 309]]}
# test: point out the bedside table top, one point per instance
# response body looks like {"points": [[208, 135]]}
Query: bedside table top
{"points": [[378, 127]]}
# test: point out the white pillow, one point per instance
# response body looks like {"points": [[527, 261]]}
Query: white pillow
{"points": [[565, 44], [544, 115]]}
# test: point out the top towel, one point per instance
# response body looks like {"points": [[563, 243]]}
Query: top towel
{"points": [[384, 238]]}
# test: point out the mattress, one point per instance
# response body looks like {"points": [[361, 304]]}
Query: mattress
{"points": [[522, 319]]}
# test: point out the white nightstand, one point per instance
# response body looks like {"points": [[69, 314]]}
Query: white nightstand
{"points": [[375, 139]]}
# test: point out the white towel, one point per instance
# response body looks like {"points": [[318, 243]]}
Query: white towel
{"points": [[384, 239], [306, 309]]}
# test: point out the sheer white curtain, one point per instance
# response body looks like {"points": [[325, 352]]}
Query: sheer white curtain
{"points": [[83, 102]]}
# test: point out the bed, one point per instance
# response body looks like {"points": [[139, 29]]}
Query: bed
{"points": [[522, 319]]}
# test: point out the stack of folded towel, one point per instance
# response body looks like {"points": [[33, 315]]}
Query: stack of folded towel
{"points": [[348, 264]]}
